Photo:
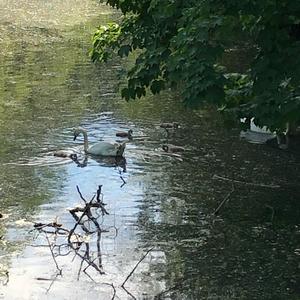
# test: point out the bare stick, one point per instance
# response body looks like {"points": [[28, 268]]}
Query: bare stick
{"points": [[53, 256], [78, 190], [124, 182], [123, 179], [99, 193], [99, 249], [113, 287], [48, 289], [224, 201], [114, 294], [80, 268], [129, 293], [59, 271], [271, 186], [89, 276], [143, 257]]}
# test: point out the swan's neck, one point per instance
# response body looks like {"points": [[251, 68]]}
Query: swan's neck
{"points": [[86, 141]]}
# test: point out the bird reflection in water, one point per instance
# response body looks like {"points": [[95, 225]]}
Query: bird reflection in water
{"points": [[116, 162]]}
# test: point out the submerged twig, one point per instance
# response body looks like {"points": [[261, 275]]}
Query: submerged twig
{"points": [[113, 287], [271, 186], [124, 182], [59, 270], [53, 256], [49, 288], [123, 287], [224, 201], [132, 271]]}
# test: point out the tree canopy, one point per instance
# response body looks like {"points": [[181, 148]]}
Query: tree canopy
{"points": [[183, 44]]}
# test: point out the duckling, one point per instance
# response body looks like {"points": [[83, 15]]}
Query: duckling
{"points": [[125, 134], [173, 125], [65, 154], [172, 148]]}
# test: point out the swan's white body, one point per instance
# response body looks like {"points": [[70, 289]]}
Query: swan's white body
{"points": [[104, 149], [100, 148]]}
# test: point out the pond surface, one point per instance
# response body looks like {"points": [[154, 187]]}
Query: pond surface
{"points": [[158, 202]]}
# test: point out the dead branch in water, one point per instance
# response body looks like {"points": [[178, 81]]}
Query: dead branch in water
{"points": [[271, 186]]}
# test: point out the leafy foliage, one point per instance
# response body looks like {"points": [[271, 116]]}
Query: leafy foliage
{"points": [[182, 44]]}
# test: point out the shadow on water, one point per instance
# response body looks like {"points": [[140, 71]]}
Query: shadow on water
{"points": [[249, 250]]}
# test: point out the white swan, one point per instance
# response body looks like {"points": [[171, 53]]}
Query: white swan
{"points": [[100, 148]]}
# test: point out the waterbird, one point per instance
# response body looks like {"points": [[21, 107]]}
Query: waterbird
{"points": [[101, 148], [172, 148], [173, 125], [127, 134], [65, 154]]}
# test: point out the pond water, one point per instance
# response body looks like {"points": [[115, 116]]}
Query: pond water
{"points": [[159, 204]]}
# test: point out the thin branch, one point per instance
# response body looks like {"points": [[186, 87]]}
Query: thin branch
{"points": [[224, 201], [53, 256], [48, 289], [99, 193], [143, 257], [78, 190], [80, 268], [113, 287], [271, 186], [123, 287], [124, 182]]}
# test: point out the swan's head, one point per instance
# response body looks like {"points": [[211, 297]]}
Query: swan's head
{"points": [[77, 131], [130, 132]]}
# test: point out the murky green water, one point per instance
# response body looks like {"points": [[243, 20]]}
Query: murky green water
{"points": [[48, 86]]}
